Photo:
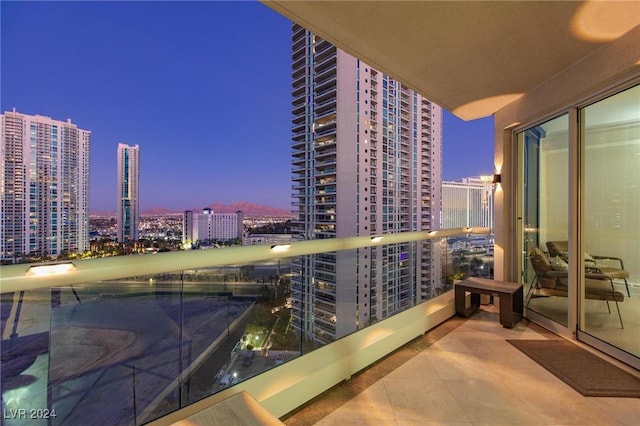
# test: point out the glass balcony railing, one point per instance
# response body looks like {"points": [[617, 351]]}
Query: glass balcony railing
{"points": [[129, 339]]}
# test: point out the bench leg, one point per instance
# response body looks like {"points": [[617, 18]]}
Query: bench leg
{"points": [[518, 303], [475, 300], [460, 302], [511, 308], [506, 311]]}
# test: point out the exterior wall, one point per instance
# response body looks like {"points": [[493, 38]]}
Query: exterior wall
{"points": [[211, 226], [366, 161], [45, 187], [128, 192], [431, 195], [348, 306]]}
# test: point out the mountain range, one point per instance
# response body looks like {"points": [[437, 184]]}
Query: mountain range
{"points": [[249, 210]]}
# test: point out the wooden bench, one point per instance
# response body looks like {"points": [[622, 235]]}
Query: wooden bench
{"points": [[510, 295]]}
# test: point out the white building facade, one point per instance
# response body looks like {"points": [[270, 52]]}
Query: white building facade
{"points": [[208, 226], [366, 161], [128, 192], [45, 187], [468, 202]]}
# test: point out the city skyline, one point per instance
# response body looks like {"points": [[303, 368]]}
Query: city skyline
{"points": [[207, 96]]}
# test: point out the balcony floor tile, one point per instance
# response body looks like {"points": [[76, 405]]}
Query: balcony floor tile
{"points": [[463, 372]]}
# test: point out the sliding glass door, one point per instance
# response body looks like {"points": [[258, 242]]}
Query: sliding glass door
{"points": [[610, 302], [579, 222]]}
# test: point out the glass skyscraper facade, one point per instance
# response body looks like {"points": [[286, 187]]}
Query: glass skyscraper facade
{"points": [[128, 192]]}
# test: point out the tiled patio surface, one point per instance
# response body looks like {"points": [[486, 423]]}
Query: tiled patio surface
{"points": [[464, 372]]}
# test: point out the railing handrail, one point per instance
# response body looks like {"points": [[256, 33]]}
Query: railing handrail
{"points": [[21, 277]]}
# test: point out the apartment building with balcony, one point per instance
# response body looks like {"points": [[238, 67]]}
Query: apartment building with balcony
{"points": [[365, 161], [45, 187]]}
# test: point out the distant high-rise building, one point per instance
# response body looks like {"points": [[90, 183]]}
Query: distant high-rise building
{"points": [[468, 202], [366, 161], [128, 192], [189, 231], [45, 187], [211, 226]]}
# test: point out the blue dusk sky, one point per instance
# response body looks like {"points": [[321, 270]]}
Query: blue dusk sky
{"points": [[202, 87]]}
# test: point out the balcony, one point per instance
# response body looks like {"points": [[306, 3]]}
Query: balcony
{"points": [[120, 335], [298, 48], [298, 32], [326, 129], [324, 55], [325, 69], [298, 65], [436, 378], [327, 86], [473, 345], [298, 75], [327, 105], [326, 171], [327, 114], [299, 129], [326, 154], [321, 46], [324, 143], [298, 93]]}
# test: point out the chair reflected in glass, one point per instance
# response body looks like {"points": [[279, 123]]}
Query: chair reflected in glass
{"points": [[593, 263], [551, 279]]}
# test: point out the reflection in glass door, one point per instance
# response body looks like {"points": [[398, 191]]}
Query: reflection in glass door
{"points": [[610, 133], [545, 217]]}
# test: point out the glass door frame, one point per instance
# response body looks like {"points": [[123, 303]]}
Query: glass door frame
{"points": [[579, 138], [568, 331]]}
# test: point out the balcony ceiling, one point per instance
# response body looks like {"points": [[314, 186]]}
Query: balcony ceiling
{"points": [[472, 57]]}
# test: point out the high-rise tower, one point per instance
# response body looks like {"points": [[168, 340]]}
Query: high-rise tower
{"points": [[366, 161], [128, 192], [45, 187]]}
